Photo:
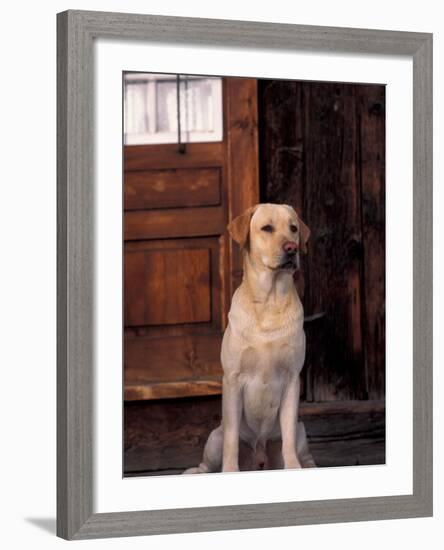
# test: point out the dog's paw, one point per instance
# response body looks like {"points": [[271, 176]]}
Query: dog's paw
{"points": [[292, 464], [201, 469], [230, 468], [195, 470]]}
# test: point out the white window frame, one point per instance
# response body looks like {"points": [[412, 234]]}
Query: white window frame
{"points": [[155, 137]]}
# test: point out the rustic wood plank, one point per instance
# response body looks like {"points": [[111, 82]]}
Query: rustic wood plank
{"points": [[335, 369], [372, 175], [363, 451], [281, 142], [282, 177], [161, 434], [176, 222], [165, 370], [213, 245], [149, 189], [168, 287], [243, 163], [76, 290], [170, 435], [151, 362], [342, 407], [172, 390], [149, 157], [318, 144]]}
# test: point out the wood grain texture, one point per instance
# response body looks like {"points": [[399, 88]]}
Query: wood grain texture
{"points": [[157, 298], [76, 32], [281, 156], [371, 109], [160, 435], [423, 274], [151, 189], [189, 30], [174, 222], [67, 522], [161, 367], [243, 165], [332, 211], [160, 360], [323, 151], [167, 287], [149, 157], [282, 141], [75, 208], [190, 387], [168, 436], [212, 245]]}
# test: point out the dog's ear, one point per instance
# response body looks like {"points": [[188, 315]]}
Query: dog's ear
{"points": [[304, 231], [304, 235], [239, 228]]}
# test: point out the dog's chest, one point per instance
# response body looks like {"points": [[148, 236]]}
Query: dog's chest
{"points": [[262, 396], [265, 372]]}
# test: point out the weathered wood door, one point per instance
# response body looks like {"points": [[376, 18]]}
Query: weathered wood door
{"points": [[180, 267], [323, 150]]}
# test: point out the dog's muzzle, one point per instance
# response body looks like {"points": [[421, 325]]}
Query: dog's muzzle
{"points": [[291, 262]]}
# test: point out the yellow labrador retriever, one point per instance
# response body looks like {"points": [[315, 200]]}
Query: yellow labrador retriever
{"points": [[263, 350]]}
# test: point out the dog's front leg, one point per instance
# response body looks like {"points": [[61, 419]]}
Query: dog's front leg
{"points": [[288, 422], [231, 415]]}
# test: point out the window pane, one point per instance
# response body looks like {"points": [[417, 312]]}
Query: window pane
{"points": [[166, 108], [151, 109], [134, 104]]}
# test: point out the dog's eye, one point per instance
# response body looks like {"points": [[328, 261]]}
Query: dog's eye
{"points": [[293, 228], [267, 228]]}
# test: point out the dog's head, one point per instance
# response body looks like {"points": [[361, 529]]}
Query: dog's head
{"points": [[273, 234]]}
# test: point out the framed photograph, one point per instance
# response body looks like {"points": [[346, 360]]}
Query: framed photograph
{"points": [[244, 275]]}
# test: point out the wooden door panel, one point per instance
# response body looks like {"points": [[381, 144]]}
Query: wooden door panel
{"points": [[242, 148], [179, 262], [161, 367], [323, 148], [184, 187], [214, 247], [372, 137], [331, 171], [174, 222], [149, 157], [168, 287]]}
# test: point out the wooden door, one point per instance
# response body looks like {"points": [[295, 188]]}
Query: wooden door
{"points": [[323, 150], [180, 267]]}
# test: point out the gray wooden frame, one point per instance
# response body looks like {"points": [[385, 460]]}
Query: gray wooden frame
{"points": [[76, 32]]}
